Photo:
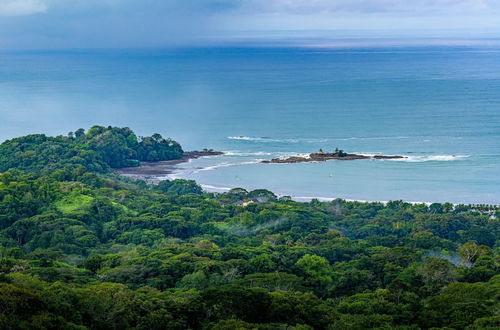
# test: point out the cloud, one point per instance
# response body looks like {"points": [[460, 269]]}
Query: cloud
{"points": [[22, 7], [295, 7], [306, 7], [144, 23], [109, 23]]}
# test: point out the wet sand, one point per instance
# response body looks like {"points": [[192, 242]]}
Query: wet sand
{"points": [[154, 172]]}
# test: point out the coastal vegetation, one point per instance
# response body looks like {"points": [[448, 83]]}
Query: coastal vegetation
{"points": [[97, 150], [85, 248], [340, 152]]}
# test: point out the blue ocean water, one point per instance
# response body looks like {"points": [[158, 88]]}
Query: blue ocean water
{"points": [[440, 106]]}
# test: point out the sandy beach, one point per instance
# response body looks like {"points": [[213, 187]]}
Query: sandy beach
{"points": [[154, 172]]}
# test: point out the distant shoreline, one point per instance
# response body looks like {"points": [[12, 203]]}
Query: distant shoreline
{"points": [[306, 199], [155, 172]]}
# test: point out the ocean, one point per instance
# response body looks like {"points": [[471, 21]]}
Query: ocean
{"points": [[439, 106]]}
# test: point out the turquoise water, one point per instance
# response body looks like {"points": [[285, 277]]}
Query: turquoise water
{"points": [[439, 106]]}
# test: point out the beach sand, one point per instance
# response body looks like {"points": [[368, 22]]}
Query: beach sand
{"points": [[155, 172]]}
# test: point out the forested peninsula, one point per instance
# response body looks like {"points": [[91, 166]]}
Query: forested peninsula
{"points": [[83, 247]]}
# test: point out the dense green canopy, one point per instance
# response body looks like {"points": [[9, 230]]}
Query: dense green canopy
{"points": [[84, 249], [97, 150]]}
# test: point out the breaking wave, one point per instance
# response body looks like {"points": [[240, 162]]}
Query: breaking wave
{"points": [[434, 158], [238, 153], [226, 164], [268, 139], [311, 140], [211, 188]]}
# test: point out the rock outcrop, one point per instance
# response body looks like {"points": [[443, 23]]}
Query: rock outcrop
{"points": [[321, 157]]}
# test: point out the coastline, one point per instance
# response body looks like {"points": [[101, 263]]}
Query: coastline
{"points": [[306, 199], [153, 172], [167, 169]]}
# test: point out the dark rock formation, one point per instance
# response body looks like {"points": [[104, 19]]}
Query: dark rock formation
{"points": [[321, 157]]}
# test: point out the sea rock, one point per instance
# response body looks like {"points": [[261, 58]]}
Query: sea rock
{"points": [[321, 157], [197, 154]]}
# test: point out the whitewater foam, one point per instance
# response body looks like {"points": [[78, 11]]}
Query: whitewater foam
{"points": [[262, 139], [244, 154], [306, 199], [373, 138], [312, 140], [433, 158], [226, 164], [211, 188], [268, 139]]}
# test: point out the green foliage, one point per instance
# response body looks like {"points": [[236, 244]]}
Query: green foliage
{"points": [[97, 150], [83, 250], [73, 202], [179, 187], [339, 152], [316, 269]]}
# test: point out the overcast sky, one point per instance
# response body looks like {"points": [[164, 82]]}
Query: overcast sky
{"points": [[137, 23]]}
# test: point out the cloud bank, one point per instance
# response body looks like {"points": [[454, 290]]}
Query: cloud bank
{"points": [[256, 7], [141, 23], [369, 6]]}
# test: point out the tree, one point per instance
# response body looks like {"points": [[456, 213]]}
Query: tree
{"points": [[197, 280], [262, 195], [300, 308], [316, 270], [79, 133], [231, 302], [179, 187], [436, 273], [469, 252], [339, 152], [460, 304]]}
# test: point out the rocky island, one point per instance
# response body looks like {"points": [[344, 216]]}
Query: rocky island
{"points": [[322, 156]]}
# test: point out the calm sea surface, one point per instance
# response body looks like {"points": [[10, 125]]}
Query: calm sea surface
{"points": [[438, 106]]}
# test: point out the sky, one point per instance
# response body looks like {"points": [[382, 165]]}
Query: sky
{"points": [[47, 24]]}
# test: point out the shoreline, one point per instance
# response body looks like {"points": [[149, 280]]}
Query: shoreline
{"points": [[307, 199], [300, 199], [155, 172], [152, 172]]}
